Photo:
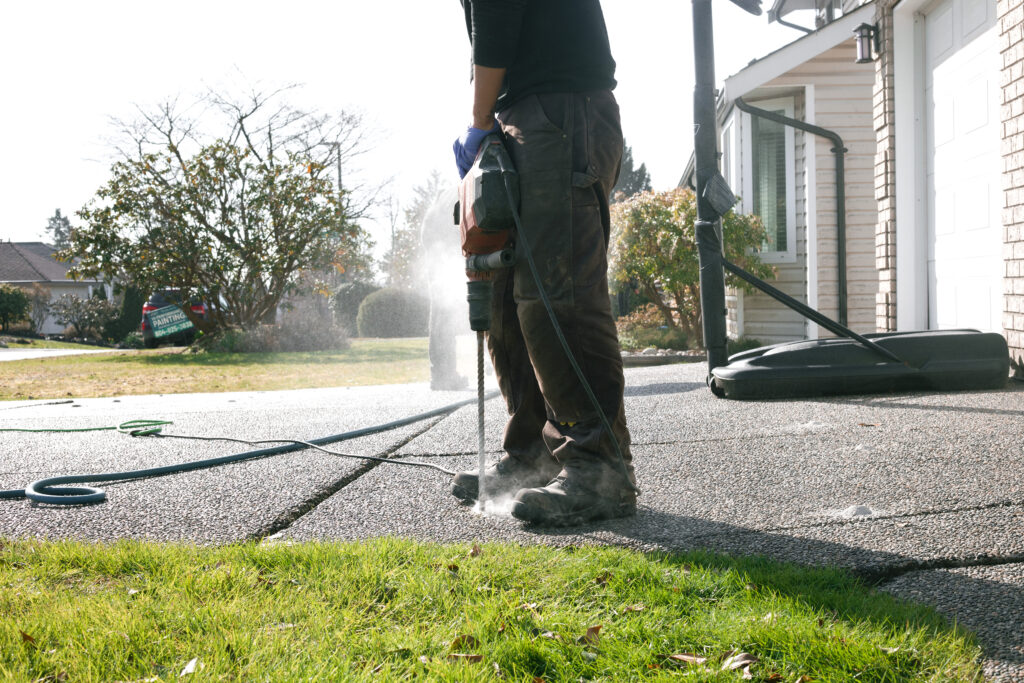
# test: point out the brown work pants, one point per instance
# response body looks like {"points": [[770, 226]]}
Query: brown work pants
{"points": [[567, 149]]}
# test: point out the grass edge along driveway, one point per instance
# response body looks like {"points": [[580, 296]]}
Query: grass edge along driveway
{"points": [[177, 371], [392, 609]]}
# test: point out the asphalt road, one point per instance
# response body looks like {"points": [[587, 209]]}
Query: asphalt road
{"points": [[921, 493]]}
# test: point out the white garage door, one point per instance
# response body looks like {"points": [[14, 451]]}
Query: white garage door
{"points": [[965, 266]]}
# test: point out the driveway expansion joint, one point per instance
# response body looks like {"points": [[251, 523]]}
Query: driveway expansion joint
{"points": [[878, 577], [905, 515], [296, 512]]}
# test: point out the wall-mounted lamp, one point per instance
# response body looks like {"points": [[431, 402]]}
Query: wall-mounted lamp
{"points": [[867, 38]]}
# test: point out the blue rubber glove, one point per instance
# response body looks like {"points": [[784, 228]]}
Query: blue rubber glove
{"points": [[468, 144]]}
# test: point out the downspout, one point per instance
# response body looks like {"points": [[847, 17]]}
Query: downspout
{"points": [[839, 150], [779, 20]]}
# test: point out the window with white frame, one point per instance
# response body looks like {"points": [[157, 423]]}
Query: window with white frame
{"points": [[769, 179]]}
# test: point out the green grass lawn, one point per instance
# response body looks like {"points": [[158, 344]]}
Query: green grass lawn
{"points": [[175, 371], [398, 610]]}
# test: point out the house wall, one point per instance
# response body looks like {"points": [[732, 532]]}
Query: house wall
{"points": [[1010, 15], [842, 104], [883, 100], [1011, 47], [763, 317], [754, 314], [840, 93]]}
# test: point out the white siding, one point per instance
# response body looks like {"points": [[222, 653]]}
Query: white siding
{"points": [[843, 104], [842, 92]]}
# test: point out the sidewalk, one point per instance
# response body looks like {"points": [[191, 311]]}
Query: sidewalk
{"points": [[29, 354], [922, 494]]}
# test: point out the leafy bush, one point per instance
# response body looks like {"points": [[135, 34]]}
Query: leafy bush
{"points": [[654, 251], [14, 305], [132, 340], [393, 313], [644, 328], [39, 297], [346, 299], [299, 330], [304, 330], [88, 316]]}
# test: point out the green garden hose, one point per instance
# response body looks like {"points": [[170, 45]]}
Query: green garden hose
{"points": [[53, 491]]}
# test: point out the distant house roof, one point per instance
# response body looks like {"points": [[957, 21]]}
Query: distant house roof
{"points": [[26, 262]]}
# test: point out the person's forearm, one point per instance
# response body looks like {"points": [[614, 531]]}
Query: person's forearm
{"points": [[487, 84]]}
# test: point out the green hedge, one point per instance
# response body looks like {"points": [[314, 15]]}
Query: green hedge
{"points": [[393, 313], [346, 300]]}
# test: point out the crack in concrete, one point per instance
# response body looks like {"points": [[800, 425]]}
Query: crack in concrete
{"points": [[880, 576], [296, 512], [905, 515]]}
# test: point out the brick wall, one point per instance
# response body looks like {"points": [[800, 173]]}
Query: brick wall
{"points": [[885, 172], [1011, 48]]}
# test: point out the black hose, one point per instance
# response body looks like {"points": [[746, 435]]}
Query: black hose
{"points": [[51, 491]]}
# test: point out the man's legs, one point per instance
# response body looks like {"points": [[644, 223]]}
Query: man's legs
{"points": [[567, 150]]}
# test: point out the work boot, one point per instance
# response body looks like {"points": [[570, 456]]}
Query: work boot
{"points": [[576, 496], [505, 477]]}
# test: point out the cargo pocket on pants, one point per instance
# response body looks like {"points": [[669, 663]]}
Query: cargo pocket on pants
{"points": [[589, 259]]}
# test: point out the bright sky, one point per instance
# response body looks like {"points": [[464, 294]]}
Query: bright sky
{"points": [[69, 66]]}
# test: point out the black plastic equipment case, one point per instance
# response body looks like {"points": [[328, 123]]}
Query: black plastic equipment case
{"points": [[941, 360]]}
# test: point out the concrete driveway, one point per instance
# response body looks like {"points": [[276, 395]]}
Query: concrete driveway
{"points": [[922, 494], [15, 353]]}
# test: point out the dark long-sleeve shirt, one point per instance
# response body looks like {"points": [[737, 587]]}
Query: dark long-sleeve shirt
{"points": [[545, 45]]}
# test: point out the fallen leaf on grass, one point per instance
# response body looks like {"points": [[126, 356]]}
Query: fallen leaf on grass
{"points": [[591, 637], [26, 638], [464, 641], [475, 552], [738, 660], [190, 668], [460, 657], [686, 658]]}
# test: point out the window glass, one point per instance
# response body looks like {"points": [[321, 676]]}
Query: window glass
{"points": [[769, 174]]}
